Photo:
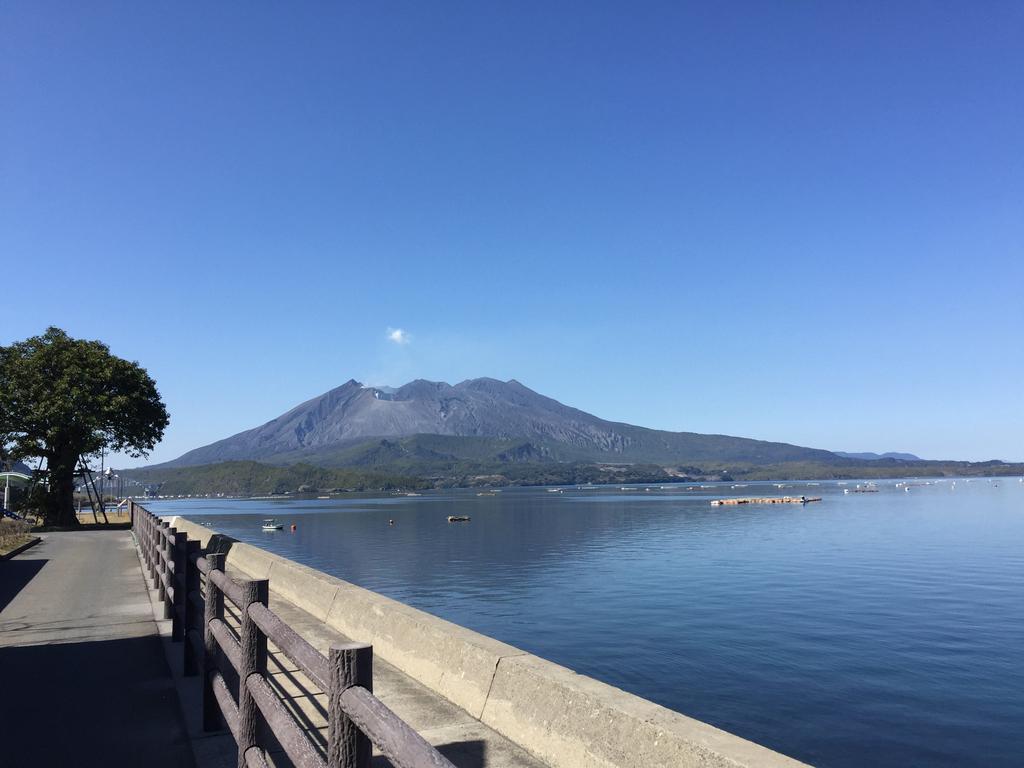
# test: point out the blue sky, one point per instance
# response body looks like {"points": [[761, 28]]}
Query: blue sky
{"points": [[796, 221]]}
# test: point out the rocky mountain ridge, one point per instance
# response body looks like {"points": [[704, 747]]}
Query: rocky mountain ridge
{"points": [[482, 418]]}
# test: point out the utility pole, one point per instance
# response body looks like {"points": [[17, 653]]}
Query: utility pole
{"points": [[103, 510]]}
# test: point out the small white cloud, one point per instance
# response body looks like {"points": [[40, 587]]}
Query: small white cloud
{"points": [[399, 336]]}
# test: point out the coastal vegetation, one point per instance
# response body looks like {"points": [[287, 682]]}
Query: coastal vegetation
{"points": [[62, 399], [250, 478]]}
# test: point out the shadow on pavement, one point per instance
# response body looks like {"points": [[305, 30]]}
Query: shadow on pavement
{"points": [[84, 528], [15, 575], [104, 703], [464, 754]]}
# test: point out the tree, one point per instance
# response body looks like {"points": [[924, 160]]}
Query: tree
{"points": [[62, 398]]}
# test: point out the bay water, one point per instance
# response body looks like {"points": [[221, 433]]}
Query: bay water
{"points": [[882, 628]]}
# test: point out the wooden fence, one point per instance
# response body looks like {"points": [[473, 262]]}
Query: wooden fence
{"points": [[192, 586]]}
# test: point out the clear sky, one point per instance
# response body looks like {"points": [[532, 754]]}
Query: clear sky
{"points": [[799, 221]]}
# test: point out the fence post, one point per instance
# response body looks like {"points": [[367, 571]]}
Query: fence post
{"points": [[351, 664], [178, 606], [192, 548], [168, 555], [214, 609], [151, 535], [140, 521], [147, 535], [154, 543], [160, 542], [150, 544], [253, 661], [136, 529], [154, 556], [144, 540]]}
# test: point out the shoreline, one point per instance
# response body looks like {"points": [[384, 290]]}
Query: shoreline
{"points": [[661, 485]]}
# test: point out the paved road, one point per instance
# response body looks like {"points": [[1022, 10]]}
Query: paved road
{"points": [[83, 677]]}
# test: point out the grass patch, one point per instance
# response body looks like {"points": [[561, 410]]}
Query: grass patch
{"points": [[114, 517], [13, 533], [116, 521]]}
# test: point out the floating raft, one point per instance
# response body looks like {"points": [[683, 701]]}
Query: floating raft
{"points": [[767, 500]]}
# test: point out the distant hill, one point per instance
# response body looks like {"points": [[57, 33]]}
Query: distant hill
{"points": [[484, 420], [878, 456]]}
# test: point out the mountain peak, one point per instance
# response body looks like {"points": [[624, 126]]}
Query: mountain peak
{"points": [[481, 408], [486, 383]]}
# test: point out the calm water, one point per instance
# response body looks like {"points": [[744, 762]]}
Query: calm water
{"points": [[869, 629]]}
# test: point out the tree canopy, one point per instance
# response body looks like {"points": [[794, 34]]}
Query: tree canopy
{"points": [[62, 398]]}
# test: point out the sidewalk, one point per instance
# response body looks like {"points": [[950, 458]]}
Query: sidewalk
{"points": [[84, 678]]}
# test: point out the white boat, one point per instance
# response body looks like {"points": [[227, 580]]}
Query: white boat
{"points": [[272, 525]]}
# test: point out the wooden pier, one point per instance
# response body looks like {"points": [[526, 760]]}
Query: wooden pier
{"points": [[767, 500]]}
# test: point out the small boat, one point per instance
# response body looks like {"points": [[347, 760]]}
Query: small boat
{"points": [[458, 518], [272, 525]]}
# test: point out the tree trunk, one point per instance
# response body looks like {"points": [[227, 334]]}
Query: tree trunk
{"points": [[59, 506]]}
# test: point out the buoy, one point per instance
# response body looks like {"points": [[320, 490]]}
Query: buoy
{"points": [[294, 527]]}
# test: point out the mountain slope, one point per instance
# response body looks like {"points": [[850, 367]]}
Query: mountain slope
{"points": [[480, 419], [869, 456]]}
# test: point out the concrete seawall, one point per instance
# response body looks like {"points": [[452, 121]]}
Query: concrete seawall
{"points": [[565, 719]]}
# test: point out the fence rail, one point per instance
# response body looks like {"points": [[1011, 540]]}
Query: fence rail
{"points": [[192, 586]]}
